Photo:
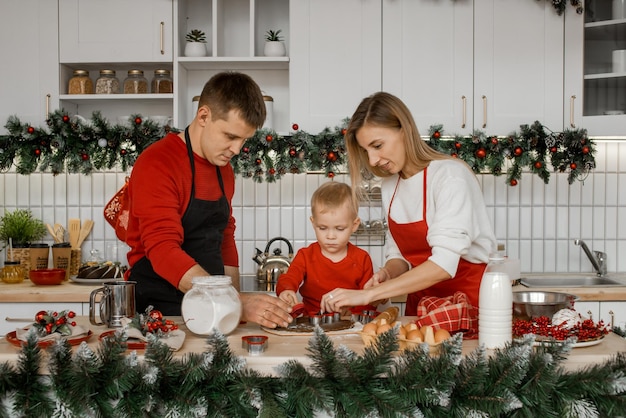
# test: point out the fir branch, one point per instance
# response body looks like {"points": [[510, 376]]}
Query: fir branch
{"points": [[32, 390]]}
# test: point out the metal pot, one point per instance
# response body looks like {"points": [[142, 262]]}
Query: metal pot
{"points": [[533, 304], [272, 266]]}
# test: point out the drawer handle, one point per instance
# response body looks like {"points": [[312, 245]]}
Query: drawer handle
{"points": [[162, 40], [484, 112], [48, 106], [571, 111], [464, 101], [9, 319]]}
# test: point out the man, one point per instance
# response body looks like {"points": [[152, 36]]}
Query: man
{"points": [[181, 224]]}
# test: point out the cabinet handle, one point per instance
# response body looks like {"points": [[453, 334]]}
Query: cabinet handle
{"points": [[464, 101], [162, 37], [9, 319], [48, 106], [571, 111], [612, 318], [484, 111]]}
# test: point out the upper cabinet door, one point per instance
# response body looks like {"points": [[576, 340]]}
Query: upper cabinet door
{"points": [[427, 61], [518, 65], [115, 31], [335, 59]]}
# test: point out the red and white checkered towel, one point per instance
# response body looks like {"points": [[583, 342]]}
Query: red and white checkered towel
{"points": [[453, 313]]}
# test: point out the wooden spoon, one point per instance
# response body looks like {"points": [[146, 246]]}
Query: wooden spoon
{"points": [[85, 229], [74, 230], [52, 232]]}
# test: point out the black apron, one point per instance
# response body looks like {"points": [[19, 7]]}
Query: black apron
{"points": [[203, 223]]}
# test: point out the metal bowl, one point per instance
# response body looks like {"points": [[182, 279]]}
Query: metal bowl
{"points": [[533, 304]]}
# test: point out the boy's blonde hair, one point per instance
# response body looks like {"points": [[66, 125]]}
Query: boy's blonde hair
{"points": [[332, 195]]}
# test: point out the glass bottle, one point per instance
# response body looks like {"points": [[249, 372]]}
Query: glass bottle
{"points": [[211, 304], [135, 83], [107, 83], [80, 83], [13, 272], [495, 305], [162, 82]]}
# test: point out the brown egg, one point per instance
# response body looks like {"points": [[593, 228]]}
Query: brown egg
{"points": [[415, 335], [441, 334], [383, 328], [370, 328]]}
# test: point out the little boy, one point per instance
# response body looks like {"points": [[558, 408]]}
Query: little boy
{"points": [[332, 261]]}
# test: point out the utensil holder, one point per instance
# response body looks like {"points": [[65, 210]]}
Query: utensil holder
{"points": [[75, 261]]}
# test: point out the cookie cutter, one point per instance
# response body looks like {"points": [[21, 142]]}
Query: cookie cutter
{"points": [[255, 344]]}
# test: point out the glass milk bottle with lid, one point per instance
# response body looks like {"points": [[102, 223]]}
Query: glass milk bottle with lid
{"points": [[495, 305], [211, 304]]}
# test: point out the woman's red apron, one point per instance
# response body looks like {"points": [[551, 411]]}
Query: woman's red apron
{"points": [[412, 243]]}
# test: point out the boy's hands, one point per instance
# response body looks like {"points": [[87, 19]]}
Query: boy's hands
{"points": [[289, 296]]}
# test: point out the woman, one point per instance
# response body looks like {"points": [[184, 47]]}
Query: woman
{"points": [[440, 235]]}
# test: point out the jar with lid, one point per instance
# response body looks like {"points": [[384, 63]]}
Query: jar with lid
{"points": [[135, 83], [80, 83], [211, 304], [13, 272], [107, 83], [162, 82]]}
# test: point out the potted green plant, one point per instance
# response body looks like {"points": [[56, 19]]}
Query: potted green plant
{"points": [[21, 228], [196, 43], [274, 46]]}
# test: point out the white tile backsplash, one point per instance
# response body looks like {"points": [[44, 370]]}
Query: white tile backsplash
{"points": [[537, 222]]}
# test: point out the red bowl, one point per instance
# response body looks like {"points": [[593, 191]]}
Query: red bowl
{"points": [[47, 276]]}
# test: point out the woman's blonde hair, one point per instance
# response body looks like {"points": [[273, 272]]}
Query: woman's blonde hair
{"points": [[385, 110], [332, 195]]}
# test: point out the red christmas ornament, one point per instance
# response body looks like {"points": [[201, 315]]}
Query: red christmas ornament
{"points": [[71, 314], [272, 171], [332, 157], [494, 140], [518, 151], [30, 130], [138, 120], [573, 166], [513, 182], [123, 151], [480, 153], [84, 156], [585, 149], [538, 164], [37, 152], [65, 118], [258, 161], [292, 152], [436, 134], [343, 131], [331, 174], [454, 154], [155, 314], [457, 145], [295, 127], [40, 317], [553, 150], [246, 150], [269, 138]]}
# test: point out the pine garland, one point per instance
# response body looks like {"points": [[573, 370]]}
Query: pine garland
{"points": [[69, 144], [517, 381]]}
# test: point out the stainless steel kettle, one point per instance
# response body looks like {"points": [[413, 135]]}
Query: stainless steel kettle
{"points": [[272, 266]]}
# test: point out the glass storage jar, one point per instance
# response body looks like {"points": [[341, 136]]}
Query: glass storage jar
{"points": [[13, 272], [135, 83], [162, 82], [107, 83], [80, 83], [212, 303]]}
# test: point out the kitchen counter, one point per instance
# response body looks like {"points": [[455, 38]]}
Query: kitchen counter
{"points": [[293, 347]]}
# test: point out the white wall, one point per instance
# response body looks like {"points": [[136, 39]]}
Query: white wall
{"points": [[536, 222]]}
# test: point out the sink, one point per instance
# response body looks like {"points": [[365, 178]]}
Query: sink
{"points": [[571, 281]]}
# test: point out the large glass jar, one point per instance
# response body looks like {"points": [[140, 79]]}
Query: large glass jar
{"points": [[211, 304], [13, 272], [135, 83], [80, 83], [162, 82], [107, 83]]}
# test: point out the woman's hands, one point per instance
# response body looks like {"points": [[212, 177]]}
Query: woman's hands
{"points": [[265, 310]]}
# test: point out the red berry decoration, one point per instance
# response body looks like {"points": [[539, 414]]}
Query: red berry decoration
{"points": [[272, 171], [585, 149], [344, 131], [30, 130], [292, 152], [553, 150], [331, 174], [258, 161], [84, 157], [573, 166], [123, 151], [246, 150], [513, 182], [295, 127], [269, 138], [457, 145], [538, 164], [332, 157], [494, 140], [40, 317], [436, 134], [37, 152], [71, 314], [454, 154], [155, 314], [518, 151], [480, 153], [65, 118], [138, 121]]}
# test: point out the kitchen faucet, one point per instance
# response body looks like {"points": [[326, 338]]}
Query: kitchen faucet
{"points": [[597, 258]]}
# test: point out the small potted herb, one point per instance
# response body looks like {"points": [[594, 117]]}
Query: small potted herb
{"points": [[196, 43], [22, 229], [274, 46]]}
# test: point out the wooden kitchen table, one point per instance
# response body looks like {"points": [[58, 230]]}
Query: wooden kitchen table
{"points": [[283, 348]]}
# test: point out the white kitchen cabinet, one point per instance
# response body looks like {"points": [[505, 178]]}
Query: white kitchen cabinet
{"points": [[475, 65], [595, 92], [94, 31], [17, 315], [29, 70], [335, 54]]}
